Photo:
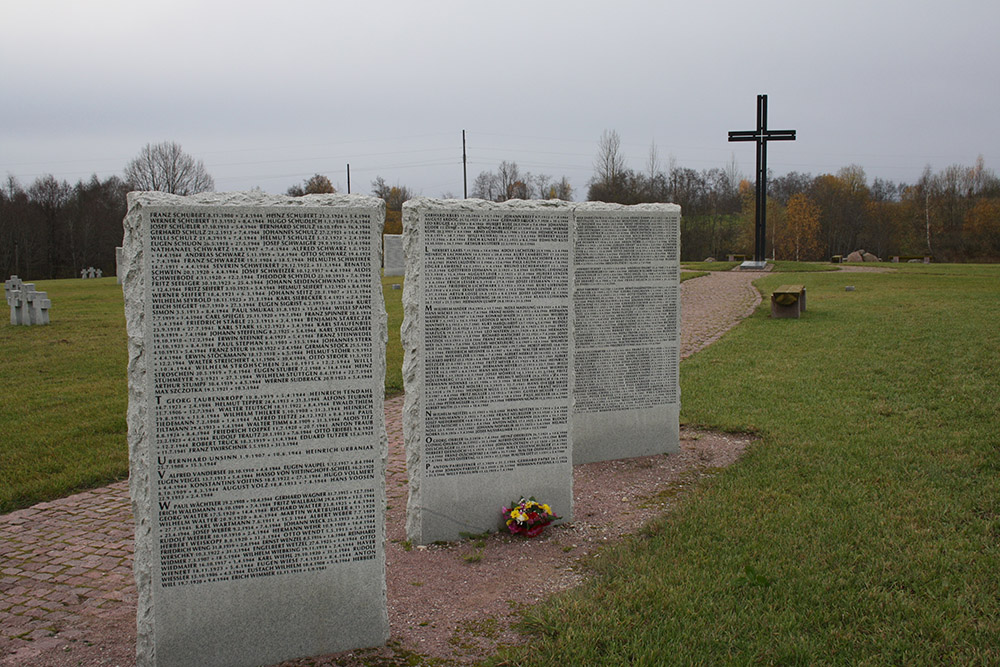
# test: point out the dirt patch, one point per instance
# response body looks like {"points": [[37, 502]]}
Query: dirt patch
{"points": [[456, 602]]}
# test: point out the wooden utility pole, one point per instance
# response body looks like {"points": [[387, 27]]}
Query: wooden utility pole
{"points": [[465, 175]]}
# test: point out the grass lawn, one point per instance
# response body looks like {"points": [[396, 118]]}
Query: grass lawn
{"points": [[862, 528], [709, 266], [63, 395], [63, 392]]}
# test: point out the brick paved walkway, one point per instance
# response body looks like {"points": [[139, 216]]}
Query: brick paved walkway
{"points": [[67, 595], [714, 304]]}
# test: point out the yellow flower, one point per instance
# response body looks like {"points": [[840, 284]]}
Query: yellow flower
{"points": [[548, 510]]}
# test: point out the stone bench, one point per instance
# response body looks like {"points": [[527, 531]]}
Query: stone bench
{"points": [[788, 301]]}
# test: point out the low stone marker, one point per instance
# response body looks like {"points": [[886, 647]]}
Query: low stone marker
{"points": [[788, 301], [626, 303], [394, 263], [487, 362], [255, 424], [27, 305]]}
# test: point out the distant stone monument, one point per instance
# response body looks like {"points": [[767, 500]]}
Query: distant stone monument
{"points": [[488, 362], [394, 262], [118, 265], [27, 305], [626, 302], [255, 424]]}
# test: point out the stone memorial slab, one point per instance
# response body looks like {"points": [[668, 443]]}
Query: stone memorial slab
{"points": [[487, 362], [118, 265], [255, 424], [395, 265], [626, 303]]}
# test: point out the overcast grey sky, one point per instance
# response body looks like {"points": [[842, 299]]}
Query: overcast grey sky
{"points": [[268, 94]]}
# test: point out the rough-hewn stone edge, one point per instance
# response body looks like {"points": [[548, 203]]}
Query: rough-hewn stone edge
{"points": [[378, 392], [597, 206], [412, 371], [134, 291]]}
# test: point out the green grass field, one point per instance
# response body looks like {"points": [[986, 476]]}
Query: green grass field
{"points": [[862, 528], [63, 391]]}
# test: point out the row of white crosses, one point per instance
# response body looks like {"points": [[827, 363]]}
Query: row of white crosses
{"points": [[91, 273], [27, 305]]}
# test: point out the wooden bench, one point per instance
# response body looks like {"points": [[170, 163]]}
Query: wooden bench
{"points": [[788, 301]]}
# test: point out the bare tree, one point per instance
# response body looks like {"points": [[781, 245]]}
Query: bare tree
{"points": [[562, 190], [165, 167], [612, 180], [393, 195], [609, 165], [510, 182], [486, 186]]}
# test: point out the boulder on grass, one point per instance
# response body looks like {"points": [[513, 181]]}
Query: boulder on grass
{"points": [[856, 256]]}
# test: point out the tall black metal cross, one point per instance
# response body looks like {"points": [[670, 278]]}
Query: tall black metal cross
{"points": [[761, 135]]}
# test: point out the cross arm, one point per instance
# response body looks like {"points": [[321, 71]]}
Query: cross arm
{"points": [[780, 135], [743, 135]]}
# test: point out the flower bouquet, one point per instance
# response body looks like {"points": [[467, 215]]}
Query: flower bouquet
{"points": [[528, 517]]}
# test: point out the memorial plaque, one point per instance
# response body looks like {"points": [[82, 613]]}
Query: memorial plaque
{"points": [[488, 362], [626, 302], [256, 431], [394, 264]]}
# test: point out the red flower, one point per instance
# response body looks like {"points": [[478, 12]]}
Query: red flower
{"points": [[536, 530]]}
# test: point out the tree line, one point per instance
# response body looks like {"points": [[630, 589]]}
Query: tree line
{"points": [[952, 215], [51, 229]]}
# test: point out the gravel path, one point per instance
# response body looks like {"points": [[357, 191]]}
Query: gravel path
{"points": [[68, 597]]}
